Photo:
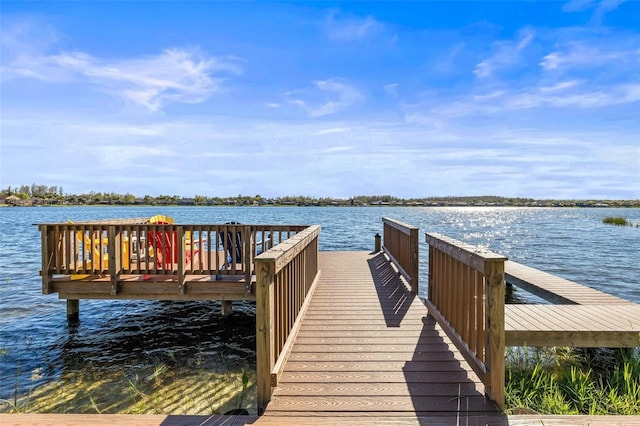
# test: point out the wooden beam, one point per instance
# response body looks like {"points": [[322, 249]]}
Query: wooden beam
{"points": [[466, 253], [265, 339], [576, 339], [494, 330]]}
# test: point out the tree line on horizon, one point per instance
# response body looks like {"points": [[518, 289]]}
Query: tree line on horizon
{"points": [[54, 195]]}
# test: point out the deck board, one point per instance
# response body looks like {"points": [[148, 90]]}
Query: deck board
{"points": [[380, 353], [556, 289], [573, 325]]}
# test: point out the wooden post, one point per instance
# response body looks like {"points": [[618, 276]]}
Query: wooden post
{"points": [[430, 278], [414, 260], [494, 330], [265, 339], [226, 308], [73, 310], [378, 243], [247, 257], [114, 248], [181, 257], [48, 251]]}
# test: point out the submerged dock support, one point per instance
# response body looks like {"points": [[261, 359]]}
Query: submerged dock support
{"points": [[226, 308], [73, 310]]}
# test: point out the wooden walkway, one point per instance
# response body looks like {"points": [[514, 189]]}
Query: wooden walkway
{"points": [[556, 289], [580, 316], [367, 349]]}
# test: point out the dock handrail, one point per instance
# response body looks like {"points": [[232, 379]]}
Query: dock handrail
{"points": [[285, 278], [122, 247], [400, 243], [466, 295]]}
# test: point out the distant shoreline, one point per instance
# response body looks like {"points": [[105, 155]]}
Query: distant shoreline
{"points": [[42, 195], [540, 204]]}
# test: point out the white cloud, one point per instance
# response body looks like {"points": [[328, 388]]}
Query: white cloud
{"points": [[350, 29], [391, 89], [569, 94], [505, 55], [563, 85], [174, 75], [578, 5], [601, 8], [584, 55], [332, 130], [328, 97], [216, 155]]}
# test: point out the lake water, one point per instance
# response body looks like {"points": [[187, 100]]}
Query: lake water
{"points": [[127, 338]]}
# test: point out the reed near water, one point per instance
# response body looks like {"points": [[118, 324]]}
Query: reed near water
{"points": [[618, 221], [564, 381]]}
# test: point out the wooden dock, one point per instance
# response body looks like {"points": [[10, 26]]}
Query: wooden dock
{"points": [[367, 349], [579, 316], [556, 289], [342, 337]]}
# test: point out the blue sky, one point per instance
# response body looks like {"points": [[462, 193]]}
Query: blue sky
{"points": [[329, 99]]}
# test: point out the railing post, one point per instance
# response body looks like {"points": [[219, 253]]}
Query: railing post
{"points": [[414, 261], [495, 362], [181, 258], [114, 247], [247, 257], [265, 341], [430, 278], [48, 250]]}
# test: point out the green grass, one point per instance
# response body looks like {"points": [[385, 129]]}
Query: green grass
{"points": [[566, 381], [618, 221]]}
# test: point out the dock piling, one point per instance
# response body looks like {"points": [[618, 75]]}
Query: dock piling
{"points": [[73, 310], [226, 308]]}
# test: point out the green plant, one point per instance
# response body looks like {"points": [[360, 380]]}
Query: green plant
{"points": [[94, 405], [574, 381], [243, 392], [618, 221], [159, 369]]}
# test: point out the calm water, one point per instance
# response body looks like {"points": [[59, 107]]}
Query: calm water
{"points": [[34, 335]]}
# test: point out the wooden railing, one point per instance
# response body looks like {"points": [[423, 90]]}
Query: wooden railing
{"points": [[400, 243], [285, 278], [466, 296], [132, 247]]}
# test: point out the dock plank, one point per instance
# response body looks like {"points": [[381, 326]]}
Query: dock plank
{"points": [[573, 325], [380, 353], [556, 289]]}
